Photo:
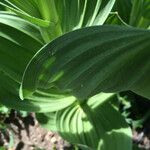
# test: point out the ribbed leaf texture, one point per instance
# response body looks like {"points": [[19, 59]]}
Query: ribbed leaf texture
{"points": [[92, 60], [139, 16], [146, 5], [60, 16], [95, 123], [20, 40]]}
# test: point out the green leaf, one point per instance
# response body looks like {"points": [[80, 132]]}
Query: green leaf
{"points": [[26, 6], [92, 60], [9, 97], [136, 12], [10, 19], [2, 148], [114, 19], [123, 8], [38, 12], [2, 7], [3, 109], [12, 101], [19, 41], [57, 17], [48, 10], [140, 13], [17, 6], [81, 13], [107, 142], [89, 123], [146, 9]]}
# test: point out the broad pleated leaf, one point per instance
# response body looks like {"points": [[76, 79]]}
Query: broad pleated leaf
{"points": [[107, 142], [70, 13], [30, 11], [146, 10], [12, 101], [14, 21], [20, 40], [23, 9], [136, 12], [90, 122], [92, 60], [139, 14], [9, 96], [57, 17], [81, 13], [38, 12]]}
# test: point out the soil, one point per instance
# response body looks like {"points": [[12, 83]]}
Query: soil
{"points": [[29, 135], [141, 137]]}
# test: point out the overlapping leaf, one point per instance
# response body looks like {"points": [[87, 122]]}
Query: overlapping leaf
{"points": [[19, 42], [82, 63], [81, 13], [114, 19], [146, 10], [91, 60], [9, 96], [23, 9], [37, 12], [57, 17], [140, 14], [123, 7], [107, 142], [70, 13], [88, 123]]}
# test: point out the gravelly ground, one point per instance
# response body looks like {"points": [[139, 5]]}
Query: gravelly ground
{"points": [[141, 137], [29, 135]]}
